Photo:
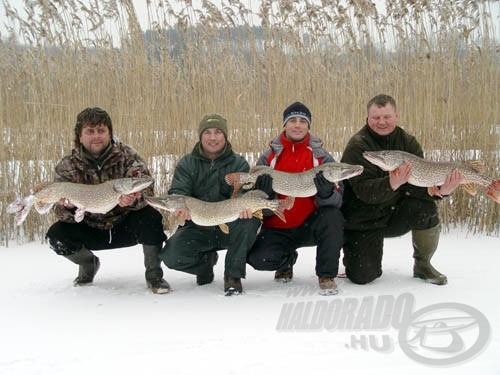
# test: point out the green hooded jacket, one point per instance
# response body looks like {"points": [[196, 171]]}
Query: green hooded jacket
{"points": [[197, 176], [369, 200]]}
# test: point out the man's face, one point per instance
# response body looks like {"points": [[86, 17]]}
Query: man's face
{"points": [[95, 139], [213, 142], [382, 120], [296, 129]]}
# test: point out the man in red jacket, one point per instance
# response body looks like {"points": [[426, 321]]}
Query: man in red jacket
{"points": [[312, 221]]}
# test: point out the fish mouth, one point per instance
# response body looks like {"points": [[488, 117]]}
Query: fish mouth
{"points": [[372, 157]]}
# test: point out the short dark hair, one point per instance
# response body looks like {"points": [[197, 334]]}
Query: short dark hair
{"points": [[92, 117], [381, 100]]}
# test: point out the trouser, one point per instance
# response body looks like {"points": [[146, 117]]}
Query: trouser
{"points": [[275, 249], [188, 248], [363, 250], [143, 226]]}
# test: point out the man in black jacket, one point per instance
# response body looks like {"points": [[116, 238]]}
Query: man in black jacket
{"points": [[380, 204]]}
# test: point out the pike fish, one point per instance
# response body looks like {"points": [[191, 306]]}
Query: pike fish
{"points": [[298, 185], [99, 198], [425, 173], [222, 212]]}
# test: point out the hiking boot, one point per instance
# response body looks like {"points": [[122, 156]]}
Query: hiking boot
{"points": [[284, 276], [88, 265], [208, 277], [159, 286], [232, 286], [327, 286]]}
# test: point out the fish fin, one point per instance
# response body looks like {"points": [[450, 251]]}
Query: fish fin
{"points": [[284, 204], [287, 203], [257, 168], [21, 208], [233, 179], [477, 165], [79, 214], [224, 228], [280, 214], [493, 191], [258, 214], [470, 188], [43, 208], [173, 222]]}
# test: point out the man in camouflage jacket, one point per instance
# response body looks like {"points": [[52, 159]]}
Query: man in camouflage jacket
{"points": [[96, 158]]}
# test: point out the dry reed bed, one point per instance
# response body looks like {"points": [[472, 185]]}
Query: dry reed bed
{"points": [[440, 62]]}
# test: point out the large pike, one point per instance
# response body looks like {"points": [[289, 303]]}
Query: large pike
{"points": [[222, 212], [99, 198], [298, 185], [427, 173]]}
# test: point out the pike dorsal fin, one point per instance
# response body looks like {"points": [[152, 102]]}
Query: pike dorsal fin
{"points": [[224, 228], [477, 165], [258, 168], [470, 188], [43, 207]]}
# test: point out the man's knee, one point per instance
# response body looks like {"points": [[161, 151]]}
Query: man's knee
{"points": [[262, 261], [55, 236], [362, 278], [421, 214], [61, 248]]}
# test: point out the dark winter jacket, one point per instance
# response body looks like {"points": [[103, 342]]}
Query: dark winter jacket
{"points": [[118, 161], [197, 176], [369, 200], [287, 156]]}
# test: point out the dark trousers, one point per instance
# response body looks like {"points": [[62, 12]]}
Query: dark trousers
{"points": [[363, 250], [189, 248], [275, 249], [143, 226]]}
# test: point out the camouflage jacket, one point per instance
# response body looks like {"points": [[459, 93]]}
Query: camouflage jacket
{"points": [[119, 160]]}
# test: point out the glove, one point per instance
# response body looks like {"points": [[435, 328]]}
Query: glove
{"points": [[265, 183], [225, 189], [323, 186]]}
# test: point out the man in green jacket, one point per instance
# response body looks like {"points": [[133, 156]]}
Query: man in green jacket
{"points": [[200, 174], [379, 204]]}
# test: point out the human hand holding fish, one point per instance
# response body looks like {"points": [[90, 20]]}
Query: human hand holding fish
{"points": [[452, 181], [399, 176], [182, 214], [66, 203], [246, 214], [126, 200]]}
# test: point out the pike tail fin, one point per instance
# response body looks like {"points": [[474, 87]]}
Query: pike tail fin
{"points": [[21, 208], [493, 191], [233, 179], [284, 204]]}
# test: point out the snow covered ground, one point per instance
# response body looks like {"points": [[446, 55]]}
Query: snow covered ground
{"points": [[117, 326]]}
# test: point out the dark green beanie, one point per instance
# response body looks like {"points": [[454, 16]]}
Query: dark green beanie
{"points": [[213, 120]]}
